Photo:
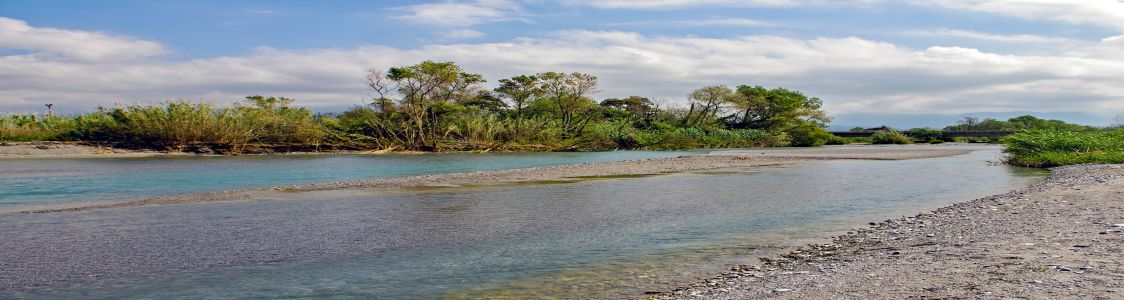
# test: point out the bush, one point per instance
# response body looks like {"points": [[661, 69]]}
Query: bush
{"points": [[925, 135], [28, 127], [808, 135], [889, 137], [1049, 148]]}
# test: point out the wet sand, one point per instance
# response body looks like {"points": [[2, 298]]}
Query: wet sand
{"points": [[1062, 238]]}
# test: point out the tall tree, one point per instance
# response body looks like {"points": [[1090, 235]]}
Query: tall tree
{"points": [[776, 110], [421, 87], [707, 102], [569, 93], [520, 90]]}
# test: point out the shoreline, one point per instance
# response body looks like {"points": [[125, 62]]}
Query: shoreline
{"points": [[1061, 237], [718, 160]]}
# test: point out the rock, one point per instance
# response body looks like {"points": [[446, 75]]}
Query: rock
{"points": [[779, 290], [1081, 246]]}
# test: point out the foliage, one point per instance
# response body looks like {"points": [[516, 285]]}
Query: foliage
{"points": [[809, 135], [1013, 124], [925, 135], [1053, 147], [438, 106], [889, 137], [29, 127]]}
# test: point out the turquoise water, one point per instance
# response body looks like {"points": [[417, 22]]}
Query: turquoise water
{"points": [[56, 180], [589, 240]]}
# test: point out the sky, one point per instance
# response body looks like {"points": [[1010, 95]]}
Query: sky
{"points": [[862, 57]]}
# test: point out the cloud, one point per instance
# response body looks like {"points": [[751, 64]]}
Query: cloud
{"points": [[663, 4], [460, 34], [727, 22], [261, 11], [1105, 13], [73, 44], [1018, 38], [851, 74], [461, 13]]}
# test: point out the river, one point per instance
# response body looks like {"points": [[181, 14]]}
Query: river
{"points": [[612, 238]]}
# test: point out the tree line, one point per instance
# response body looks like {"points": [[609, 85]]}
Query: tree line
{"points": [[438, 106]]}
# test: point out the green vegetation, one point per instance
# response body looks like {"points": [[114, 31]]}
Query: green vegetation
{"points": [[889, 137], [1013, 124], [1055, 147], [962, 132], [437, 106]]}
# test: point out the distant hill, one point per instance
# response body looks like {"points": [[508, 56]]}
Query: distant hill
{"points": [[843, 122]]}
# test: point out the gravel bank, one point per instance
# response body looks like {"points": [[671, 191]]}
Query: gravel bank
{"points": [[18, 150], [1061, 238]]}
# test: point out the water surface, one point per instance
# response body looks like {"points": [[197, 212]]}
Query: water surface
{"points": [[594, 239], [62, 180]]}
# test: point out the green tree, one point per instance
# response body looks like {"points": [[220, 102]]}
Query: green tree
{"points": [[568, 92], [520, 90], [776, 110], [707, 102], [422, 88]]}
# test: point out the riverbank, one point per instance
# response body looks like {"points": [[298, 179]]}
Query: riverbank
{"points": [[17, 150], [715, 161], [20, 150], [1061, 238]]}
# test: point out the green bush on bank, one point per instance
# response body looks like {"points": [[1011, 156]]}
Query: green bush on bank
{"points": [[889, 137], [1052, 147], [27, 127]]}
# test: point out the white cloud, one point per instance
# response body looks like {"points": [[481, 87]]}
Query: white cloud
{"points": [[660, 4], [1018, 38], [73, 44], [851, 74], [1106, 13], [727, 22], [460, 34], [461, 13]]}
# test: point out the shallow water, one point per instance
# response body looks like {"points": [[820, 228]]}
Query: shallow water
{"points": [[608, 238], [62, 180]]}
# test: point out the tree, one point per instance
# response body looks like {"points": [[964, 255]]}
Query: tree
{"points": [[638, 107], [421, 87], [485, 100], [521, 90], [776, 110], [707, 102], [569, 93]]}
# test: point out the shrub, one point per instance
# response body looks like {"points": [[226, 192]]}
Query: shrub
{"points": [[1048, 148], [808, 135], [925, 135], [889, 137]]}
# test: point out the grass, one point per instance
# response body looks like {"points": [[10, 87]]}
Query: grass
{"points": [[1050, 148]]}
